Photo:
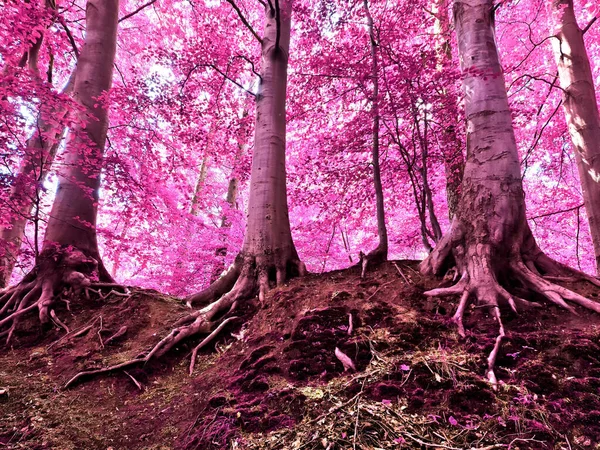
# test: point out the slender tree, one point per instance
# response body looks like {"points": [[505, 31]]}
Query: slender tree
{"points": [[454, 160], [380, 253], [40, 150], [490, 241], [70, 257], [268, 253], [580, 107]]}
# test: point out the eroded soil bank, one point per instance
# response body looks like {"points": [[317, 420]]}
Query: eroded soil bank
{"points": [[273, 381]]}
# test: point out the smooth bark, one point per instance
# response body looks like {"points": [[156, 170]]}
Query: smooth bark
{"points": [[381, 251], [454, 160], [72, 220], [580, 108], [490, 241], [268, 236]]}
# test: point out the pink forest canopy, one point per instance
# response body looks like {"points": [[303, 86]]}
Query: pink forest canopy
{"points": [[181, 129]]}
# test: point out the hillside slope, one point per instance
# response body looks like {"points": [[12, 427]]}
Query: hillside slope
{"points": [[273, 381]]}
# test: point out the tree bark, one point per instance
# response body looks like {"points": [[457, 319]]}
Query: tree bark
{"points": [[268, 254], [72, 220], [454, 160], [268, 236], [490, 241], [380, 253], [581, 109], [70, 258]]}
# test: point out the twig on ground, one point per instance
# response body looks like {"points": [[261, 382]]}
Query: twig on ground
{"points": [[401, 273]]}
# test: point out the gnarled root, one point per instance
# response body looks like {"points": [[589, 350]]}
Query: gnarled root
{"points": [[59, 273], [252, 277], [484, 267]]}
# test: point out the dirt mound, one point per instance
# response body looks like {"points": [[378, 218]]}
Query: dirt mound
{"points": [[273, 379]]}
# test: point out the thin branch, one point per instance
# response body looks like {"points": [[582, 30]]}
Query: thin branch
{"points": [[556, 212], [69, 35], [588, 26], [244, 21], [245, 58], [231, 79], [127, 16]]}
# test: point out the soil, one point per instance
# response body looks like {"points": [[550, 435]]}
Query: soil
{"points": [[272, 380]]}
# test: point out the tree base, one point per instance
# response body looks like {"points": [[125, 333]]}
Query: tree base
{"points": [[59, 275], [247, 277], [487, 276]]}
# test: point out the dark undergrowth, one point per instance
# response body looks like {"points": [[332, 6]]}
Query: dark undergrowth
{"points": [[273, 381]]}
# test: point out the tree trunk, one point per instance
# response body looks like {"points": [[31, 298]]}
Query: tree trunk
{"points": [[199, 185], [268, 253], [268, 237], [25, 191], [490, 241], [379, 254], [581, 109], [70, 257], [454, 161], [73, 217]]}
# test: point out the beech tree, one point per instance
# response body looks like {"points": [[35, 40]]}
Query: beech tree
{"points": [[380, 253], [268, 254], [490, 241], [70, 257], [40, 150], [580, 107]]}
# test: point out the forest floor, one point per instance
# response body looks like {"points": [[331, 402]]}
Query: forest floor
{"points": [[272, 381]]}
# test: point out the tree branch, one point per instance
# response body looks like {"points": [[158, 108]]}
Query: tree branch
{"points": [[127, 16], [231, 79], [244, 21], [556, 212], [69, 35], [245, 58], [588, 26]]}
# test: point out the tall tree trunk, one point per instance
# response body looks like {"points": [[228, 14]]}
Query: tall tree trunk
{"points": [[268, 253], [73, 216], [380, 253], [454, 161], [24, 195], [70, 256], [581, 109], [490, 241]]}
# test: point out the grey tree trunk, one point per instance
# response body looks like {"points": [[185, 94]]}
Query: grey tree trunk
{"points": [[490, 241], [268, 237], [581, 109], [73, 217], [268, 253], [380, 253], [70, 256], [454, 160]]}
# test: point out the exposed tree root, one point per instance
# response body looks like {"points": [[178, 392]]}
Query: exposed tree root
{"points": [[250, 276], [60, 274], [488, 273], [373, 258]]}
